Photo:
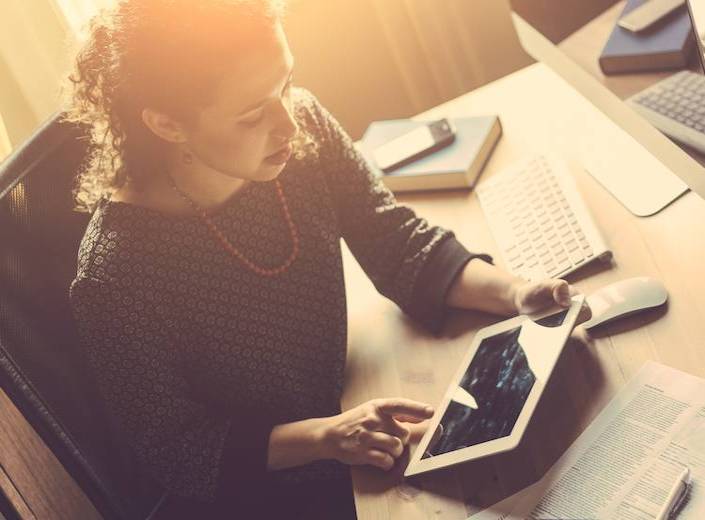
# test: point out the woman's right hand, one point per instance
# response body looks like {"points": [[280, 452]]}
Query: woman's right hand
{"points": [[373, 432]]}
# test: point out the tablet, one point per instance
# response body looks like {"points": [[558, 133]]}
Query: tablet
{"points": [[491, 398]]}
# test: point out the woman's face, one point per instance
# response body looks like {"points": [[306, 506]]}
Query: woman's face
{"points": [[246, 132]]}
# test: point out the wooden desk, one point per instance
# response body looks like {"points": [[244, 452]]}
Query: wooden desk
{"points": [[390, 356]]}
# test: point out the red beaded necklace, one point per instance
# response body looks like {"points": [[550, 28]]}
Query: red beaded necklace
{"points": [[232, 249]]}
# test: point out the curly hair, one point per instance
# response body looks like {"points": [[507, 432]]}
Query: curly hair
{"points": [[164, 54]]}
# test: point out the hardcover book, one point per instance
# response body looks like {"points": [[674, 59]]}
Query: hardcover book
{"points": [[457, 165], [667, 44]]}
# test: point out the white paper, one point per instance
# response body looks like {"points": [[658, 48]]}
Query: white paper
{"points": [[625, 463]]}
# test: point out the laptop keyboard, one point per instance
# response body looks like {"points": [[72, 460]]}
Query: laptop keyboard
{"points": [[680, 97]]}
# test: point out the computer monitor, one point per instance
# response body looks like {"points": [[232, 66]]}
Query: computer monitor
{"points": [[696, 10], [665, 158]]}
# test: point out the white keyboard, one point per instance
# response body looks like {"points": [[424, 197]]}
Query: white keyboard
{"points": [[539, 219], [676, 106]]}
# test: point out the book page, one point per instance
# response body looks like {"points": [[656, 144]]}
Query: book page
{"points": [[625, 463]]}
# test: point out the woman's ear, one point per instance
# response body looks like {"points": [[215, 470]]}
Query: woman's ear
{"points": [[163, 126]]}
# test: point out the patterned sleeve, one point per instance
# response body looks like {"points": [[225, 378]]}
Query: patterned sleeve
{"points": [[409, 261], [192, 451]]}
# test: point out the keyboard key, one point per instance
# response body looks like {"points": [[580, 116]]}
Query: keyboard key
{"points": [[576, 256], [530, 213]]}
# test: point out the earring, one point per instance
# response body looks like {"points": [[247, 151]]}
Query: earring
{"points": [[187, 157]]}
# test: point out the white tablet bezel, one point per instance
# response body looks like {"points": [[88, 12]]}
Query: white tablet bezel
{"points": [[552, 353]]}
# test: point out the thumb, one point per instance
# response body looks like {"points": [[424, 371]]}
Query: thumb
{"points": [[561, 292], [417, 431]]}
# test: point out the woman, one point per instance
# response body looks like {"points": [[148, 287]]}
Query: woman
{"points": [[209, 293]]}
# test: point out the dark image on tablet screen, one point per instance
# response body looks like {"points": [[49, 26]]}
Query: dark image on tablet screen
{"points": [[498, 381]]}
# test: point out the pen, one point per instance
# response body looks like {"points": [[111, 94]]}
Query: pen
{"points": [[676, 495]]}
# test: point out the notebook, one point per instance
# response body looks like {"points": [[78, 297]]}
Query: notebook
{"points": [[457, 165]]}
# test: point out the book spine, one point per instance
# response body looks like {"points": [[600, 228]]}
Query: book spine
{"points": [[477, 167], [653, 62]]}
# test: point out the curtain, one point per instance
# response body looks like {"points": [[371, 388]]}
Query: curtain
{"points": [[31, 42], [392, 58], [37, 38], [396, 58], [5, 146], [445, 49]]}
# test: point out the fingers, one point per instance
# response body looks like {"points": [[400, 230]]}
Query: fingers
{"points": [[390, 426], [561, 292], [539, 295], [404, 408], [417, 431], [380, 449], [371, 433], [408, 419], [383, 442], [380, 459], [387, 424]]}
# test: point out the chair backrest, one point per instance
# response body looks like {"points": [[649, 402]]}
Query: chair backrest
{"points": [[41, 366]]}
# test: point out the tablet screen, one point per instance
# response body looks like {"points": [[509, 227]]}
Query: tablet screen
{"points": [[491, 394]]}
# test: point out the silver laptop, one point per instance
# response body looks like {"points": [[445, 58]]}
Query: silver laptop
{"points": [[676, 105]]}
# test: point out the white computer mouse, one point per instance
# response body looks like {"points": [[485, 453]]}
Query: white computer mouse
{"points": [[623, 298]]}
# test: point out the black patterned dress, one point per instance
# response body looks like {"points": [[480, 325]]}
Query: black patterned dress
{"points": [[198, 357]]}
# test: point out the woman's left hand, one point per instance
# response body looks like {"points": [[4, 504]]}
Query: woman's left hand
{"points": [[535, 296], [532, 297]]}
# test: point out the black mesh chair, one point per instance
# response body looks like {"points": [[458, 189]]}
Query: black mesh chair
{"points": [[41, 367]]}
